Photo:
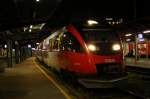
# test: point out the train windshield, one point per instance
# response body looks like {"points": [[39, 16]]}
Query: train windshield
{"points": [[99, 35], [102, 41]]}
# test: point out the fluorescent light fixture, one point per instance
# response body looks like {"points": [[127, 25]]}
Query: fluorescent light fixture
{"points": [[128, 34], [109, 19], [29, 46], [92, 22], [42, 26], [128, 40], [37, 43], [147, 31], [33, 48], [37, 0]]}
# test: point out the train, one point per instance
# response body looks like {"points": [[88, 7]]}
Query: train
{"points": [[89, 50], [143, 49]]}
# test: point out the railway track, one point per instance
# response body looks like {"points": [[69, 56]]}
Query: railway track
{"points": [[139, 70], [122, 93], [133, 93], [115, 93], [83, 93]]}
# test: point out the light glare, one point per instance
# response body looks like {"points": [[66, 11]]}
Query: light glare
{"points": [[147, 31], [37, 0], [5, 46], [128, 34], [29, 46], [92, 22], [92, 47], [128, 40], [116, 47]]}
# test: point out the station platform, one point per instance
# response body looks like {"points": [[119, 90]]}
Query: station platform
{"points": [[27, 81], [141, 63]]}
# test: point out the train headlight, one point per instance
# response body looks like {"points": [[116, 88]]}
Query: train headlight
{"points": [[92, 47], [116, 47]]}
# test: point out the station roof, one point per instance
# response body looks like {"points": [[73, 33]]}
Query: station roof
{"points": [[17, 16]]}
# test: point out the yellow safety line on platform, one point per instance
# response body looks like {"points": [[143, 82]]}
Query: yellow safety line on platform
{"points": [[54, 82]]}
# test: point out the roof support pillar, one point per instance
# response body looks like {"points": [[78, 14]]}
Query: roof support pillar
{"points": [[9, 53], [17, 54], [136, 48]]}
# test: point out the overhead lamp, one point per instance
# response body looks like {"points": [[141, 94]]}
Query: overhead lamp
{"points": [[29, 46], [31, 26], [42, 26], [33, 48], [128, 40], [147, 31], [37, 0], [37, 43], [30, 30], [128, 34], [109, 19], [92, 22]]}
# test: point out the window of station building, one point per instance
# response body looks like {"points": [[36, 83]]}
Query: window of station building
{"points": [[69, 43]]}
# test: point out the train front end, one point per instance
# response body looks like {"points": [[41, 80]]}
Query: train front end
{"points": [[105, 53]]}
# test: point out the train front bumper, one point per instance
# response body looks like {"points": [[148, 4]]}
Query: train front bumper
{"points": [[99, 83]]}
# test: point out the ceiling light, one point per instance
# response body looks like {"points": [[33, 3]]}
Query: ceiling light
{"points": [[30, 30], [147, 31], [92, 22], [5, 46], [128, 34], [31, 26], [128, 40], [37, 0]]}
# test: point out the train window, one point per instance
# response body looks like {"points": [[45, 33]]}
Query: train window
{"points": [[69, 43], [101, 41], [50, 45], [100, 35], [53, 44]]}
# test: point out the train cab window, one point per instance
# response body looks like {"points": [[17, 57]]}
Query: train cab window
{"points": [[102, 41], [70, 43], [100, 35]]}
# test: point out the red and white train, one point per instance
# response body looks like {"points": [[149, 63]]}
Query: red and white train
{"points": [[89, 50], [143, 49]]}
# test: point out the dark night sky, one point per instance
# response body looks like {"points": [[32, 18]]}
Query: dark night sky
{"points": [[94, 8], [105, 8], [16, 12]]}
